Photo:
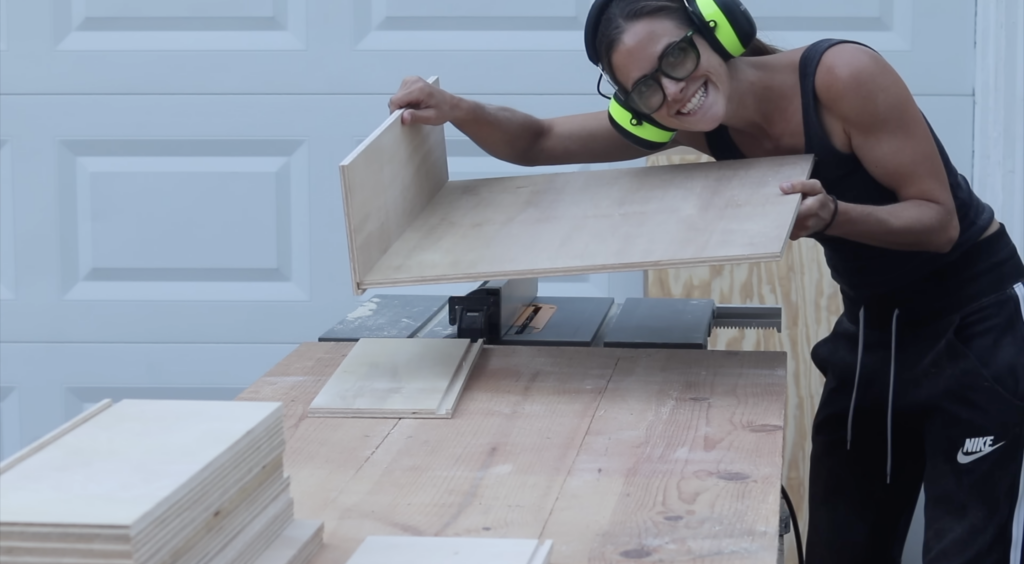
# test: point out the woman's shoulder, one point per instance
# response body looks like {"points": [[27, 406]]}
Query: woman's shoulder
{"points": [[851, 77]]}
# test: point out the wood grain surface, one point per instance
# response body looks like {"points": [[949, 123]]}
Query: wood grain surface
{"points": [[494, 469], [680, 463], [583, 222], [811, 304], [689, 433]]}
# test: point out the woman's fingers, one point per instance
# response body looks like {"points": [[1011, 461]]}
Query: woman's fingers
{"points": [[806, 187]]}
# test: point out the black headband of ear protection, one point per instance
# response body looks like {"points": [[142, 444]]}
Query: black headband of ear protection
{"points": [[725, 24], [727, 27]]}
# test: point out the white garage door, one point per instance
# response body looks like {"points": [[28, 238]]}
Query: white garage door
{"points": [[171, 215]]}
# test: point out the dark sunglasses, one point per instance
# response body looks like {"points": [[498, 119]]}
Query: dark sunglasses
{"points": [[677, 61]]}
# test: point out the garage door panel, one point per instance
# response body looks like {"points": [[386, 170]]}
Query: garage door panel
{"points": [[7, 221], [232, 25], [368, 46], [184, 219]]}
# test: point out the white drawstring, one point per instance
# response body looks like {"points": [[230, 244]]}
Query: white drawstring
{"points": [[892, 378], [856, 378]]}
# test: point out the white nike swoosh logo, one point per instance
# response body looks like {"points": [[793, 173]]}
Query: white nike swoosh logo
{"points": [[965, 458]]}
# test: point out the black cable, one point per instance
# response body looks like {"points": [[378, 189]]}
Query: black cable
{"points": [[796, 526]]}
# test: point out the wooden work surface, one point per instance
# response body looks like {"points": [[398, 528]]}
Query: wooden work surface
{"points": [[616, 455]]}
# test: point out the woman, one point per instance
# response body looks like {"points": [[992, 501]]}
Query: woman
{"points": [[924, 369]]}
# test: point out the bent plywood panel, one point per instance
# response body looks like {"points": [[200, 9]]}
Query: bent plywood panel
{"points": [[386, 182], [553, 224]]}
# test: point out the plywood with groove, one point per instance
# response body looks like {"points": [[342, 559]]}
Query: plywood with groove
{"points": [[680, 463], [811, 304], [405, 228], [385, 377]]}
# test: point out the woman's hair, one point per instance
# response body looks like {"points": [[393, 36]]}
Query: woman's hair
{"points": [[623, 12]]}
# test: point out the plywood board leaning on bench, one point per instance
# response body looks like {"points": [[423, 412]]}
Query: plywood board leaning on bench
{"points": [[398, 378], [409, 224]]}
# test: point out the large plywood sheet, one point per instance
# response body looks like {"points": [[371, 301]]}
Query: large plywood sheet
{"points": [[409, 224]]}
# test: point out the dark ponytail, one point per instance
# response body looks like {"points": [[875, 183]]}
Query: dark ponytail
{"points": [[759, 49], [623, 12]]}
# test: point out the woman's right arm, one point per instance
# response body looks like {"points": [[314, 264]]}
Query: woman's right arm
{"points": [[513, 136]]}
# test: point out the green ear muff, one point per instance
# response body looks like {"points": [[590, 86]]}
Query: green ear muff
{"points": [[725, 24], [643, 132]]}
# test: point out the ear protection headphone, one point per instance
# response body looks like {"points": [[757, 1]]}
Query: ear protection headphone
{"points": [[726, 25]]}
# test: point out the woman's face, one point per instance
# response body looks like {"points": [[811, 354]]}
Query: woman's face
{"points": [[694, 104]]}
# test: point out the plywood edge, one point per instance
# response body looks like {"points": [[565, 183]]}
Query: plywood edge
{"points": [[596, 269], [52, 437], [454, 392], [796, 209], [355, 257]]}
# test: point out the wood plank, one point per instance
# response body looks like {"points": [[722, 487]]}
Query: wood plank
{"points": [[493, 470], [384, 377], [811, 304], [385, 549], [681, 463], [576, 223], [386, 182]]}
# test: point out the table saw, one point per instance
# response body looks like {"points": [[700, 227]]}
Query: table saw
{"points": [[509, 312]]}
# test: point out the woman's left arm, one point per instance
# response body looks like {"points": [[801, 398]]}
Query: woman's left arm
{"points": [[858, 89]]}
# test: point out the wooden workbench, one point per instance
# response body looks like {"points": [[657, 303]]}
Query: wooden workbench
{"points": [[616, 455]]}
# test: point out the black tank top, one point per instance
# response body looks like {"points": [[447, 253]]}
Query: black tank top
{"points": [[864, 271]]}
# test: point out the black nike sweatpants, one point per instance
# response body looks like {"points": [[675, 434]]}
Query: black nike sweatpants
{"points": [[913, 399]]}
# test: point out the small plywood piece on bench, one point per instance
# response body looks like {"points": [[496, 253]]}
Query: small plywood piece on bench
{"points": [[450, 550], [398, 378], [408, 224]]}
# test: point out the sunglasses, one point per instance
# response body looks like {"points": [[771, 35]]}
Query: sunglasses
{"points": [[677, 61]]}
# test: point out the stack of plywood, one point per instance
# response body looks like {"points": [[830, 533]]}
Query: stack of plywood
{"points": [[147, 481]]}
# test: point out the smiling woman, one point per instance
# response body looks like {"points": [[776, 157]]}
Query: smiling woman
{"points": [[629, 34], [925, 361]]}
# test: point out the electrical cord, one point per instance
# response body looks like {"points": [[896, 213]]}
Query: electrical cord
{"points": [[796, 526]]}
